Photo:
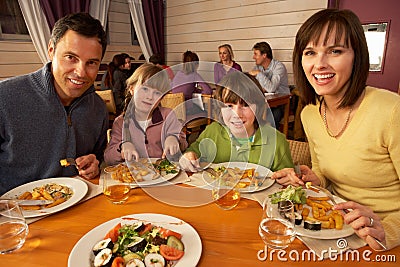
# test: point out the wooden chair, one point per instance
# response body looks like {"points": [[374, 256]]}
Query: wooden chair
{"points": [[198, 122], [300, 152], [177, 103], [108, 98]]}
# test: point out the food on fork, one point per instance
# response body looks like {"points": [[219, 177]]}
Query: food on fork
{"points": [[64, 163]]}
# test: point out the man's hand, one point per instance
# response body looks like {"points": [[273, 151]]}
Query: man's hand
{"points": [[88, 166]]}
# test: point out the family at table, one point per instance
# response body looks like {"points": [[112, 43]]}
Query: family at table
{"points": [[352, 128]]}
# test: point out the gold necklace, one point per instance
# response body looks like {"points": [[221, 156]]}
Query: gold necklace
{"points": [[344, 126]]}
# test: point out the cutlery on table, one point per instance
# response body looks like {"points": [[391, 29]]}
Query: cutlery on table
{"points": [[32, 202], [329, 194]]}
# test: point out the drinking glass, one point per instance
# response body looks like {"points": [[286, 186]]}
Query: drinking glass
{"points": [[13, 228], [114, 188], [277, 224], [225, 192]]}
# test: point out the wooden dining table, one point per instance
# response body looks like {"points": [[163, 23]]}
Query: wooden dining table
{"points": [[229, 238], [276, 100]]}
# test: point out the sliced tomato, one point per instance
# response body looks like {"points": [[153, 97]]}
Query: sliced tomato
{"points": [[118, 262], [113, 233], [166, 233], [147, 228], [171, 253]]}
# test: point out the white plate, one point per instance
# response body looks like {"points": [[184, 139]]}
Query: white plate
{"points": [[162, 178], [81, 254], [262, 172], [347, 230], [79, 188]]}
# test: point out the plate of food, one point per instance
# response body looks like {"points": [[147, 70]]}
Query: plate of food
{"points": [[253, 177], [137, 239], [63, 191], [314, 215], [145, 172]]}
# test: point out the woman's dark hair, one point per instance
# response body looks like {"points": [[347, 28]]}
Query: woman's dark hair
{"points": [[118, 60], [190, 62], [343, 23], [83, 24]]}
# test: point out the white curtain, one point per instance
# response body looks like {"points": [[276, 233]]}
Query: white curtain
{"points": [[136, 9], [37, 26], [99, 10]]}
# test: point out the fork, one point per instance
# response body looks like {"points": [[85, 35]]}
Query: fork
{"points": [[329, 194], [68, 162]]}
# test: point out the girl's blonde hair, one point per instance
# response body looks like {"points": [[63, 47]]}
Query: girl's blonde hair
{"points": [[150, 75], [229, 48]]}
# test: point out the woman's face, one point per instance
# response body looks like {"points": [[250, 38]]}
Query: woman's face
{"points": [[239, 118], [145, 97], [328, 67], [224, 54]]}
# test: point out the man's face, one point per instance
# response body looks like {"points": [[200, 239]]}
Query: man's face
{"points": [[75, 64], [258, 57]]}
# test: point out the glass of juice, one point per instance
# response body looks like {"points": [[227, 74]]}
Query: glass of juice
{"points": [[114, 187], [13, 228], [225, 191]]}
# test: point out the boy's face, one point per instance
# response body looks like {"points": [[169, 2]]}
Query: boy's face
{"points": [[75, 63], [239, 118], [146, 98]]}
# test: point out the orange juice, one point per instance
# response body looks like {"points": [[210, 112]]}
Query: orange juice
{"points": [[117, 193], [226, 198]]}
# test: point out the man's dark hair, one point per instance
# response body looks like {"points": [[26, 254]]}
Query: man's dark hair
{"points": [[83, 24], [264, 48]]}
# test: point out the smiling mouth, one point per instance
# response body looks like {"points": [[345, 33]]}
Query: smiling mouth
{"points": [[76, 81], [321, 77]]}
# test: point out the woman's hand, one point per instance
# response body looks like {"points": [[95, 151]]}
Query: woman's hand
{"points": [[88, 166], [288, 176], [366, 224], [171, 145], [190, 162], [129, 152]]}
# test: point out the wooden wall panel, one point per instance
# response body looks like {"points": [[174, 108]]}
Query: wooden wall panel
{"points": [[202, 25]]}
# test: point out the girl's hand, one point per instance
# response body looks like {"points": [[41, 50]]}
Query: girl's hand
{"points": [[171, 145], [189, 162], [129, 152], [288, 176], [366, 224]]}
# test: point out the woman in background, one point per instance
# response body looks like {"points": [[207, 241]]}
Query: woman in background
{"points": [[353, 129], [226, 63]]}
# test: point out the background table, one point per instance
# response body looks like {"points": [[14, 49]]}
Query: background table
{"points": [[276, 100]]}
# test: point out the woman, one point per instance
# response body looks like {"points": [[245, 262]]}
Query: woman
{"points": [[353, 129], [226, 63], [242, 134], [151, 130]]}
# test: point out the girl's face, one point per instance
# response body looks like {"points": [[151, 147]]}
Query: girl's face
{"points": [[239, 118], [224, 54], [328, 67], [145, 97]]}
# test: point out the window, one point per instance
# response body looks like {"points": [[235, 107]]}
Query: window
{"points": [[376, 34], [12, 23]]}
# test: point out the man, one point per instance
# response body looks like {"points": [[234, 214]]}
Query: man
{"points": [[54, 113], [271, 74]]}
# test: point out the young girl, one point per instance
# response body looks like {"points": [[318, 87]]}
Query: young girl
{"points": [[145, 129], [242, 134]]}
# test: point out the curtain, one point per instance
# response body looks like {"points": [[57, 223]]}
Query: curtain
{"points": [[99, 10], [37, 26], [136, 9], [153, 11], [55, 9]]}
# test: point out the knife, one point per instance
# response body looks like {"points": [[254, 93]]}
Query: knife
{"points": [[32, 202]]}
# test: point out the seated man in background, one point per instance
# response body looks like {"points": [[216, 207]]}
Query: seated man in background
{"points": [[271, 74], [54, 112]]}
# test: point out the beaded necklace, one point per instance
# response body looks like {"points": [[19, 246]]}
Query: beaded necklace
{"points": [[344, 126]]}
